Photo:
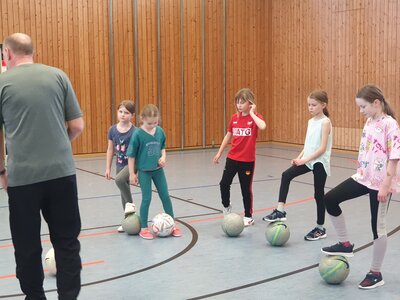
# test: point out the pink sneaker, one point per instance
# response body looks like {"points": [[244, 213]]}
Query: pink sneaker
{"points": [[176, 232], [146, 234]]}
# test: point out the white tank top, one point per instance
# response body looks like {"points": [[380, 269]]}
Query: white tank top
{"points": [[313, 142]]}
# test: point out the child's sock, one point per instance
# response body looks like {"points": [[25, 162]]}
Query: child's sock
{"points": [[320, 227], [346, 244], [281, 206]]}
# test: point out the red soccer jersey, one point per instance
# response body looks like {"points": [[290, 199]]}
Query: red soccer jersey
{"points": [[244, 135]]}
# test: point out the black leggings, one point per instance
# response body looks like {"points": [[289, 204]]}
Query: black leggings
{"points": [[350, 189], [319, 186], [245, 172]]}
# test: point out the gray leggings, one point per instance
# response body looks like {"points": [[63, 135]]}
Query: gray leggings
{"points": [[122, 181]]}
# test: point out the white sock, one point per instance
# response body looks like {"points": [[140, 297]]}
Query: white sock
{"points": [[378, 254], [281, 207], [340, 227], [320, 226]]}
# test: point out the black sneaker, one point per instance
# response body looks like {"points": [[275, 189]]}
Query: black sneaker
{"points": [[276, 215], [371, 281], [316, 234], [339, 249]]}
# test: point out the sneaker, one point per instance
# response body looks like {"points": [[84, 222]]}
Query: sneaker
{"points": [[276, 215], [227, 210], [130, 208], [248, 221], [146, 234], [339, 249], [120, 229], [371, 281], [176, 232], [316, 234]]}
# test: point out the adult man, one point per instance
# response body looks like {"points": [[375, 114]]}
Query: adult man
{"points": [[41, 115]]}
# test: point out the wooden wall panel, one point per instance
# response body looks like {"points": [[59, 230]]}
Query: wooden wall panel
{"points": [[337, 45], [171, 71], [214, 71], [193, 98], [147, 52], [124, 51], [71, 35], [280, 49], [248, 54]]}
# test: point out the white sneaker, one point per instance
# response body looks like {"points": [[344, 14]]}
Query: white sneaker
{"points": [[130, 208], [120, 229], [227, 210], [248, 221]]}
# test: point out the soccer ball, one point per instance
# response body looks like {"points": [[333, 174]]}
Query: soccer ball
{"points": [[162, 225]]}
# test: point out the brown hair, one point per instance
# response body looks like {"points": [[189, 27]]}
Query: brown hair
{"points": [[149, 111], [320, 96], [19, 43], [128, 104], [370, 93]]}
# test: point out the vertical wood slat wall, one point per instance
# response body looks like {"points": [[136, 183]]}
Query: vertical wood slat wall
{"points": [[71, 35], [337, 45], [181, 96], [74, 35], [280, 49]]}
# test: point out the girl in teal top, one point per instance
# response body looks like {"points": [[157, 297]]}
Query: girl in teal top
{"points": [[147, 152]]}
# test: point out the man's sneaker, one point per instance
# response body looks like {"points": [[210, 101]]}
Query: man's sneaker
{"points": [[120, 229], [276, 215], [130, 208], [316, 234], [176, 232], [146, 234], [227, 210], [339, 249], [248, 221], [371, 281]]}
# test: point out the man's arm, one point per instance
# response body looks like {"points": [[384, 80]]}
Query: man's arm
{"points": [[75, 128]]}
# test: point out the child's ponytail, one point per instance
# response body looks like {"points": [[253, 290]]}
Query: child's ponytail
{"points": [[370, 93]]}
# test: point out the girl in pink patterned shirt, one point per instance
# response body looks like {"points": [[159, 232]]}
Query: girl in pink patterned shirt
{"points": [[376, 175]]}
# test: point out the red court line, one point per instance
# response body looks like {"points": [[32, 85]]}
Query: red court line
{"points": [[98, 233], [258, 210], [46, 270], [80, 236], [354, 161]]}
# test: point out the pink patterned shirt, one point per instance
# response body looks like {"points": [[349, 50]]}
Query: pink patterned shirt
{"points": [[380, 141]]}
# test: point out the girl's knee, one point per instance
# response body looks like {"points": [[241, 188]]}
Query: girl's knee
{"points": [[119, 182], [330, 204], [287, 176]]}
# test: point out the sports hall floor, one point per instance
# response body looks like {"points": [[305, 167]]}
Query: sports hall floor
{"points": [[204, 263]]}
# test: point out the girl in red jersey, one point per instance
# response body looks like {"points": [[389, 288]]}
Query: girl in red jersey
{"points": [[242, 130]]}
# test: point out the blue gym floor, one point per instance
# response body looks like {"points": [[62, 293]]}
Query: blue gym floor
{"points": [[204, 263]]}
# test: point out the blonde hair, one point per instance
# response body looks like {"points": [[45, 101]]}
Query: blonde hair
{"points": [[150, 111], [128, 104], [320, 96]]}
